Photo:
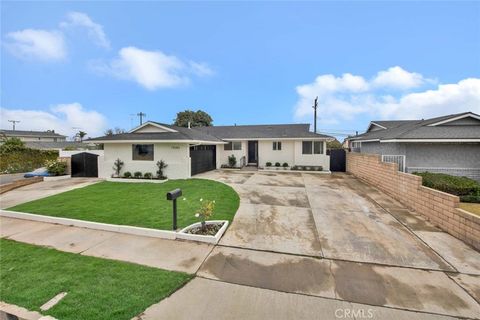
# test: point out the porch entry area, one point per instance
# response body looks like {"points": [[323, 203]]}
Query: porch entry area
{"points": [[252, 153]]}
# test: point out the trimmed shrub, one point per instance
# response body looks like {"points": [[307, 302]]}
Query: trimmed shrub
{"points": [[55, 167], [127, 174], [117, 166], [232, 161], [268, 164], [459, 186], [277, 164], [137, 174], [15, 158], [285, 165], [472, 198], [161, 165], [147, 175]]}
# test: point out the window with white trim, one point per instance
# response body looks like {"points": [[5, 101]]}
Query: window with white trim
{"points": [[232, 145], [277, 145], [312, 147], [142, 152], [356, 144]]}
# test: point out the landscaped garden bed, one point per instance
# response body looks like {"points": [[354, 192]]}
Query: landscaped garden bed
{"points": [[137, 204], [96, 288]]}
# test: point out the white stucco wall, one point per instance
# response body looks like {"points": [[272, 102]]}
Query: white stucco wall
{"points": [[311, 159], [291, 153], [222, 155], [267, 154], [175, 155]]}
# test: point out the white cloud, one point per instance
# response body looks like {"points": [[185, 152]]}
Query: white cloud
{"points": [[398, 78], [343, 99], [95, 30], [152, 69], [62, 118], [37, 44]]}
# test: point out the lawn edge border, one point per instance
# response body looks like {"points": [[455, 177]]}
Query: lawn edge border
{"points": [[138, 231], [21, 312], [135, 180]]}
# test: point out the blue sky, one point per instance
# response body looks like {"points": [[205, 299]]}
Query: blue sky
{"points": [[91, 65]]}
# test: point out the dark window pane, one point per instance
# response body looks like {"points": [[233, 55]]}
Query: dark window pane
{"points": [[306, 147], [279, 145], [318, 147], [274, 146], [142, 152], [227, 146], [237, 146]]}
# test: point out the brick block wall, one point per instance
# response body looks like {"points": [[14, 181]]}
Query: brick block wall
{"points": [[19, 183], [439, 207]]}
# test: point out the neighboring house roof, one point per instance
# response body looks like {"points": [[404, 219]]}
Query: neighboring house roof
{"points": [[440, 128], [273, 131], [20, 133], [55, 145], [214, 134]]}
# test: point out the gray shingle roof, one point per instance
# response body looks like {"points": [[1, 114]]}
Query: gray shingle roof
{"points": [[55, 145], [182, 133], [218, 133], [420, 129], [46, 134], [276, 131]]}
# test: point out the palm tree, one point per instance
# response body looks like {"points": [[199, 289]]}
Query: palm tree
{"points": [[81, 135]]}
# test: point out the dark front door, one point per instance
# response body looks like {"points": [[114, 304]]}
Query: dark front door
{"points": [[253, 152], [203, 158], [84, 165], [337, 160]]}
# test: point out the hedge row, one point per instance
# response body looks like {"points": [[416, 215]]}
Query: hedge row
{"points": [[25, 159], [467, 189]]}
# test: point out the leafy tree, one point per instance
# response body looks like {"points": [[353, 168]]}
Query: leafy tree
{"points": [[116, 130], [335, 144], [197, 118]]}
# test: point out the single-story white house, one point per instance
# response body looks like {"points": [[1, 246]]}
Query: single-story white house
{"points": [[188, 151]]}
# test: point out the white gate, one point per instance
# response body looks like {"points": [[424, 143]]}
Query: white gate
{"points": [[398, 159]]}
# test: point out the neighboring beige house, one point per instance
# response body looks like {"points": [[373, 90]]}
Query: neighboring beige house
{"points": [[188, 151], [31, 136]]}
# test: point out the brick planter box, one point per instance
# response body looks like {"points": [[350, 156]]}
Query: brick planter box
{"points": [[439, 207]]}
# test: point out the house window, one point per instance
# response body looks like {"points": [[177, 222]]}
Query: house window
{"points": [[312, 147], [142, 152], [356, 144], [232, 146], [277, 145]]}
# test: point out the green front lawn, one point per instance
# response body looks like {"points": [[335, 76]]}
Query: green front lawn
{"points": [[137, 204], [96, 288]]}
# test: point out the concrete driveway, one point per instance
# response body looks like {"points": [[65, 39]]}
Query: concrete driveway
{"points": [[333, 239]]}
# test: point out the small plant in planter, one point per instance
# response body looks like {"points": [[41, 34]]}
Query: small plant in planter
{"points": [[148, 175], [117, 167], [127, 174], [277, 164], [205, 212], [285, 165], [137, 174], [268, 164], [161, 165]]}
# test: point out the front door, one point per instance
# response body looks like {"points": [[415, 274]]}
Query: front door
{"points": [[253, 152]]}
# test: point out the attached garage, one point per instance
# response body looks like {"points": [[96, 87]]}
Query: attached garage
{"points": [[203, 158]]}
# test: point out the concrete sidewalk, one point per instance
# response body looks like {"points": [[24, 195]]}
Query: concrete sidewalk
{"points": [[172, 255]]}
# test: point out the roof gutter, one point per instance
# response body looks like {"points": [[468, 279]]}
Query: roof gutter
{"points": [[158, 141]]}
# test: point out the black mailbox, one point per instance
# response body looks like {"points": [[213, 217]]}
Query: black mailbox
{"points": [[174, 194]]}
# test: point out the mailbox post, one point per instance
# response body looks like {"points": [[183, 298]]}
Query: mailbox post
{"points": [[173, 195]]}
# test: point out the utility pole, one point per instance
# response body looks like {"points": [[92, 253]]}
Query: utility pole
{"points": [[315, 106], [141, 115], [13, 123]]}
